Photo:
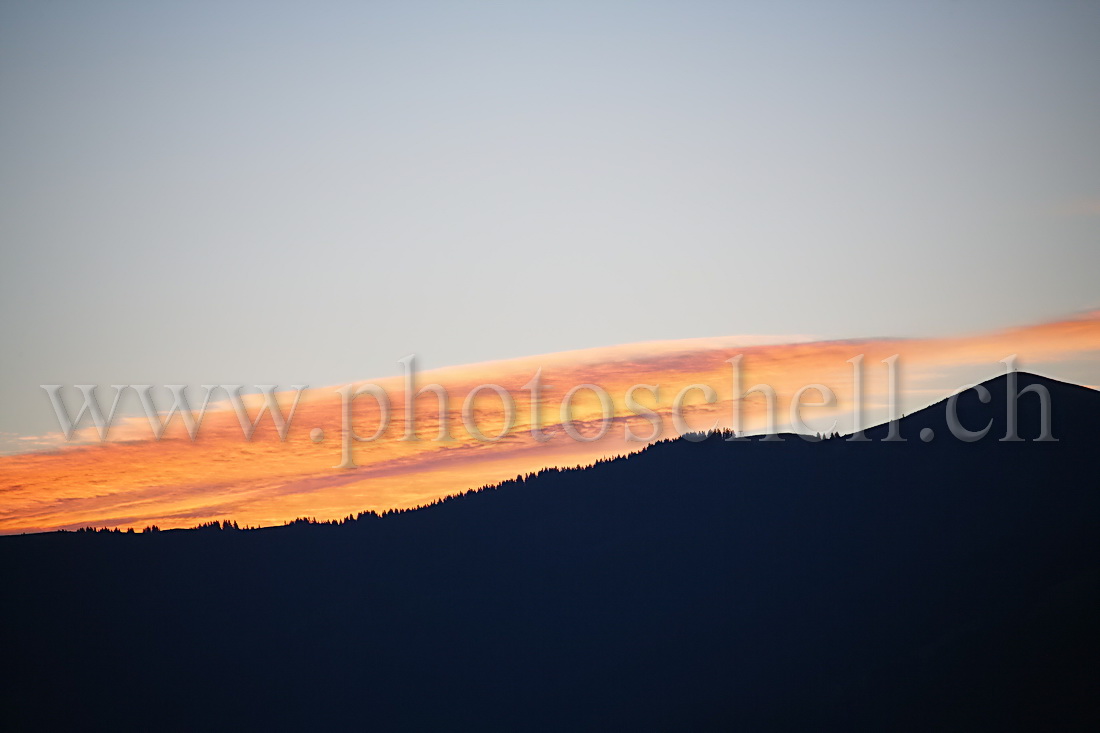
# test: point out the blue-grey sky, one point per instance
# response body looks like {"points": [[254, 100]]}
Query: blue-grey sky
{"points": [[216, 192]]}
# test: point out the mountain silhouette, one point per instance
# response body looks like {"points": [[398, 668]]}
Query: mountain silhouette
{"points": [[698, 584]]}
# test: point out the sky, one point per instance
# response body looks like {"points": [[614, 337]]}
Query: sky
{"points": [[305, 193]]}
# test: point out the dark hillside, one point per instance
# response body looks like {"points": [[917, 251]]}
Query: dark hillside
{"points": [[696, 585]]}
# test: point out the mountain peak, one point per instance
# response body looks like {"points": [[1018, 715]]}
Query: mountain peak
{"points": [[1020, 405]]}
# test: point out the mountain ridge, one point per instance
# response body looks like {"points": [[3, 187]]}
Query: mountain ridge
{"points": [[710, 584], [1070, 397]]}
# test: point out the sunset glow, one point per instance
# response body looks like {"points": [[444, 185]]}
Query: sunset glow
{"points": [[133, 481]]}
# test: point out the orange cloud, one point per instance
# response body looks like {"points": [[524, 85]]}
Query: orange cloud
{"points": [[134, 480]]}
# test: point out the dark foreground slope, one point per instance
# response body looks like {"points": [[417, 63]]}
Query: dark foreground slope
{"points": [[712, 585]]}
